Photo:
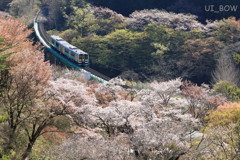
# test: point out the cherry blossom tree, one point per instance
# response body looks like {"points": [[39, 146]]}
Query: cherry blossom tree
{"points": [[158, 139], [24, 85], [194, 95], [162, 136], [14, 32], [107, 19], [95, 147], [109, 91], [166, 90], [214, 101], [62, 98], [139, 19], [119, 117], [201, 99], [141, 131], [71, 93]]}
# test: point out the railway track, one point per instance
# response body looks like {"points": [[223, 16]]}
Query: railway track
{"points": [[39, 27], [96, 73]]}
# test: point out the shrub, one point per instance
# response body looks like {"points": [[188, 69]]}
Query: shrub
{"points": [[231, 91]]}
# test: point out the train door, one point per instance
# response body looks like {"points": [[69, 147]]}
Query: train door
{"points": [[83, 58], [86, 58], [80, 58], [76, 57]]}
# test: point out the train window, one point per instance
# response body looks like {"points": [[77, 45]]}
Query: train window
{"points": [[61, 49], [67, 51], [72, 53], [80, 57], [86, 56]]}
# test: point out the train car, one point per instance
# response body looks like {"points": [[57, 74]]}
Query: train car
{"points": [[71, 52]]}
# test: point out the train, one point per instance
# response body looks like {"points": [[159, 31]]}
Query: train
{"points": [[73, 53]]}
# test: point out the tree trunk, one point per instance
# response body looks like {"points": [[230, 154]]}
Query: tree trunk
{"points": [[9, 145], [27, 151]]}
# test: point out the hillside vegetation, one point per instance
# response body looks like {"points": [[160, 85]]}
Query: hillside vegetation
{"points": [[49, 112], [153, 43], [150, 44]]}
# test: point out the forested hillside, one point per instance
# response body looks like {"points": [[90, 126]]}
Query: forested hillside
{"points": [[150, 44], [196, 7], [177, 96]]}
